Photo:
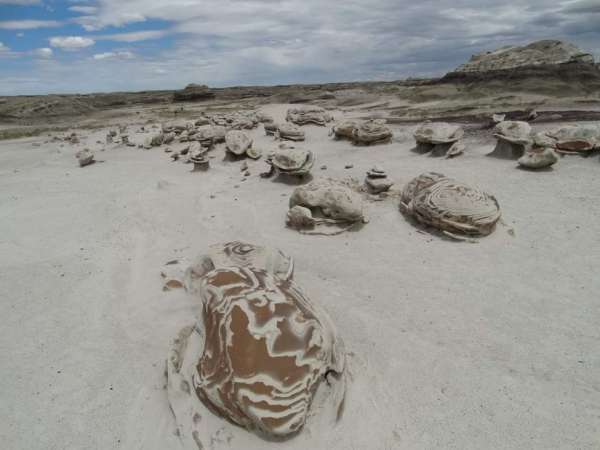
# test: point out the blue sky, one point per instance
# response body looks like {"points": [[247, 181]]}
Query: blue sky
{"points": [[68, 46]]}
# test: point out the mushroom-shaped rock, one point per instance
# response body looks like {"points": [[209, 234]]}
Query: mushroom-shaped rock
{"points": [[538, 158], [439, 138], [85, 157], [333, 198], [303, 115], [237, 142], [198, 158], [576, 138], [449, 205], [289, 132], [372, 132], [514, 137], [261, 353], [292, 161]]}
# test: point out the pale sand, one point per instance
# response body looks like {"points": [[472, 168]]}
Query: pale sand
{"points": [[452, 345]]}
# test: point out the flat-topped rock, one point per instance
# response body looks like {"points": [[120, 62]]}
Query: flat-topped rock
{"points": [[546, 52]]}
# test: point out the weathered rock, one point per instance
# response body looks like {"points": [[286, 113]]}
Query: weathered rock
{"points": [[237, 142], [538, 158], [451, 206], [547, 52], [233, 363], [363, 132], [289, 132], [576, 138], [300, 217], [290, 161], [345, 129], [239, 120], [263, 117], [378, 185], [253, 153], [372, 132], [439, 138], [332, 198], [85, 157], [514, 137], [210, 135], [308, 114]]}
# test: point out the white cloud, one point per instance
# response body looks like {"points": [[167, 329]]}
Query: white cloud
{"points": [[71, 42], [44, 52], [134, 36], [27, 24], [84, 9], [114, 55], [20, 34], [291, 41], [3, 48]]}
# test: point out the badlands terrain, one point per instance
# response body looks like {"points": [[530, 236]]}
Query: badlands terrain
{"points": [[470, 343]]}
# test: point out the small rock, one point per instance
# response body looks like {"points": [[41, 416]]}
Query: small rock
{"points": [[378, 185], [85, 157]]}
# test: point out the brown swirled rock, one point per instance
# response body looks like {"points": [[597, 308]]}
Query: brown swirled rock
{"points": [[261, 353], [266, 350]]}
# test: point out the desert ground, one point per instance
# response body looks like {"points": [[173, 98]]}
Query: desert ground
{"points": [[453, 345]]}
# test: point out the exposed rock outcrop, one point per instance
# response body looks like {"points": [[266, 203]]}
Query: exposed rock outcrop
{"points": [[547, 52]]}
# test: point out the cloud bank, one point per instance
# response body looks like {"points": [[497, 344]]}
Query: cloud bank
{"points": [[291, 41]]}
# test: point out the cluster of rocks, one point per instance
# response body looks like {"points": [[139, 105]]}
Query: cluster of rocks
{"points": [[576, 138], [369, 132], [377, 181], [516, 140], [440, 139]]}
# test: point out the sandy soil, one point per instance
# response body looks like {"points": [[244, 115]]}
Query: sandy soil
{"points": [[451, 345]]}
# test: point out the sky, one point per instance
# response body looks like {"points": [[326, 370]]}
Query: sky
{"points": [[79, 46]]}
